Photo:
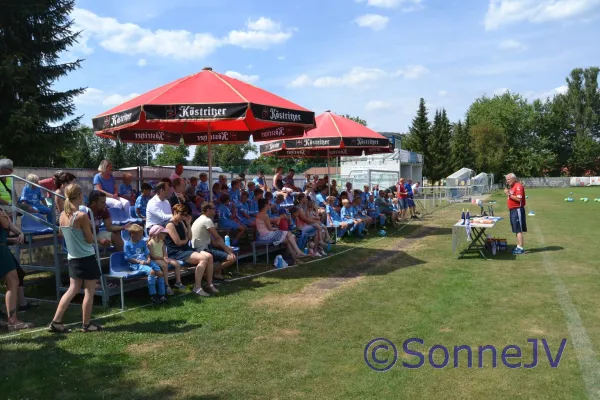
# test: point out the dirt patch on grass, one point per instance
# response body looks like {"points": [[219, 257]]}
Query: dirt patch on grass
{"points": [[280, 335], [314, 294], [144, 348]]}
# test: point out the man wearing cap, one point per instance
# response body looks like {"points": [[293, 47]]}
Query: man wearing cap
{"points": [[204, 233]]}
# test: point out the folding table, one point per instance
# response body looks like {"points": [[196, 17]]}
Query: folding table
{"points": [[478, 237]]}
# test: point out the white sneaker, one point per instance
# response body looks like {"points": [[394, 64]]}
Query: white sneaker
{"points": [[201, 292], [322, 252]]}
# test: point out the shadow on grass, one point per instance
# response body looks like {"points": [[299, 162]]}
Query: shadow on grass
{"points": [[544, 249], [68, 367]]}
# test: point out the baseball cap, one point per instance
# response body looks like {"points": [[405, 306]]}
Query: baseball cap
{"points": [[157, 229]]}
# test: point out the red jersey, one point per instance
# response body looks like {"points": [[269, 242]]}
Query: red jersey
{"points": [[48, 183], [518, 191], [401, 191]]}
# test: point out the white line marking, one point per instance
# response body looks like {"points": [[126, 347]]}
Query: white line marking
{"points": [[588, 363]]}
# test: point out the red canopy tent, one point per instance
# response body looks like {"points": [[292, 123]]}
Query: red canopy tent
{"points": [[204, 108], [334, 136]]}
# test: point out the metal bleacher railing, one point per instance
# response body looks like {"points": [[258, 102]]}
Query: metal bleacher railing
{"points": [[37, 225]]}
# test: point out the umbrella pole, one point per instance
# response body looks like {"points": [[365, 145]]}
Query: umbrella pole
{"points": [[328, 172], [210, 166]]}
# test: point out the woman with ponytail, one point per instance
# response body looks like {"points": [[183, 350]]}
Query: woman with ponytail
{"points": [[83, 267]]}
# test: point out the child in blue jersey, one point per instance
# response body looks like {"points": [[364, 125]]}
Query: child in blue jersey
{"points": [[141, 203], [334, 218], [321, 197], [227, 220], [244, 211], [251, 189], [360, 212], [364, 195], [347, 214], [235, 192], [202, 189], [137, 255], [32, 196], [373, 212], [253, 203], [126, 190]]}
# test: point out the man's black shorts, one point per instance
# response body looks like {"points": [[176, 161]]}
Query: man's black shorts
{"points": [[517, 220]]}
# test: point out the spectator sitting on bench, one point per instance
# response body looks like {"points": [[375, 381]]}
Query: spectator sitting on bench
{"points": [[373, 212], [259, 181], [205, 238], [112, 234], [177, 241], [313, 212], [141, 202], [235, 193], [288, 182], [126, 190], [309, 225], [358, 211], [158, 210], [223, 181], [244, 211], [386, 208], [32, 196], [349, 216], [279, 202], [334, 219], [203, 189], [158, 254], [227, 220], [216, 192], [364, 196], [105, 182], [267, 233], [375, 191], [251, 189], [253, 203], [137, 255]]}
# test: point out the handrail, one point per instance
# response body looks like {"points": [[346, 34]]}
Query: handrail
{"points": [[33, 184]]}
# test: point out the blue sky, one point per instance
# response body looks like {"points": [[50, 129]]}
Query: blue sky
{"points": [[371, 58]]}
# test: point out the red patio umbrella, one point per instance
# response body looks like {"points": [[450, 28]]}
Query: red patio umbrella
{"points": [[204, 108], [334, 136]]}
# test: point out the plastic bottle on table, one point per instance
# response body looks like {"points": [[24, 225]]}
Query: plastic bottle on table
{"points": [[227, 241]]}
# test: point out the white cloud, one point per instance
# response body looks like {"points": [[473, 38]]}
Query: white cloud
{"points": [[358, 77], [511, 44], [128, 38], [506, 12], [500, 91], [93, 96], [261, 34], [408, 5], [443, 93], [377, 105], [301, 81], [242, 77], [142, 62], [413, 72], [374, 21], [543, 96]]}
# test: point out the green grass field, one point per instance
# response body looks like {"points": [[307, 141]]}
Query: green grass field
{"points": [[301, 333]]}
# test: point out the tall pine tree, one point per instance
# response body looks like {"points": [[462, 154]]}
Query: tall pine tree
{"points": [[439, 147], [33, 115], [462, 152], [419, 136]]}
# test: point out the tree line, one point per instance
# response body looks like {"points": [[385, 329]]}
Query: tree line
{"points": [[558, 136]]}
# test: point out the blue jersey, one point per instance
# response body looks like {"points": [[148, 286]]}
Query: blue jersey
{"points": [[125, 190], [235, 196], [203, 189], [320, 200], [137, 251], [408, 189], [250, 195], [332, 213], [108, 185], [244, 208], [371, 206], [224, 211], [142, 203], [31, 195], [346, 213], [253, 207]]}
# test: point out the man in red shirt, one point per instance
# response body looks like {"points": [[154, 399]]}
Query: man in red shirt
{"points": [[516, 207], [402, 195]]}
